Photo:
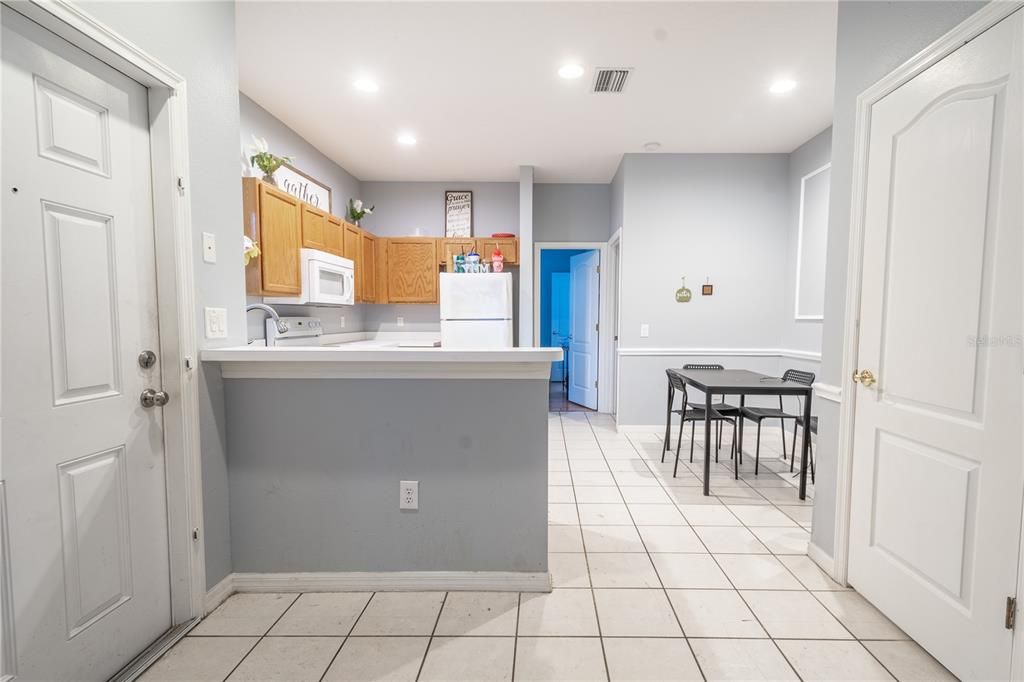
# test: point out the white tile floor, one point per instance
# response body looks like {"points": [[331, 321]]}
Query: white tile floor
{"points": [[652, 581]]}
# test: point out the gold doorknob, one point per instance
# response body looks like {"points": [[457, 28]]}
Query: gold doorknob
{"points": [[864, 377]]}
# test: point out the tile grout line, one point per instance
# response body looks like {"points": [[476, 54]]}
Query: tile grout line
{"points": [[430, 641], [650, 559], [264, 635], [345, 639]]}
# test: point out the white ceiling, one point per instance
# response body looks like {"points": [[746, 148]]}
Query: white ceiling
{"points": [[477, 82]]}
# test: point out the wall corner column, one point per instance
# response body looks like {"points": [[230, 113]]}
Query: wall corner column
{"points": [[526, 256]]}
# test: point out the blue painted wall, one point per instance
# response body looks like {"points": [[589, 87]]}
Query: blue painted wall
{"points": [[551, 261]]}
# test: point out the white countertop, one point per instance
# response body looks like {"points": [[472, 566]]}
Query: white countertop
{"points": [[383, 359]]}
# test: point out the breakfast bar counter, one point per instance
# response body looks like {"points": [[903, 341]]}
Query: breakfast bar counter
{"points": [[320, 438]]}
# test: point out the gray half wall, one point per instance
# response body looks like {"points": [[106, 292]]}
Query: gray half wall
{"points": [[315, 466]]}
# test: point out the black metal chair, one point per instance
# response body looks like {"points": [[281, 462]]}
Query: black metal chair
{"points": [[721, 407], [692, 415], [799, 421], [759, 414]]}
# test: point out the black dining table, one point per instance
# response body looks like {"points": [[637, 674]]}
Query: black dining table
{"points": [[740, 382]]}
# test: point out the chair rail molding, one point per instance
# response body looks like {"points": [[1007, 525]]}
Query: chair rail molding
{"points": [[680, 351], [828, 392]]}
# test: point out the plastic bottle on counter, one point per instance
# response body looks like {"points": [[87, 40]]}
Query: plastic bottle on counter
{"points": [[497, 260]]}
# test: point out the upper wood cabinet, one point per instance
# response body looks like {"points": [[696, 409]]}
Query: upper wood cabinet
{"points": [[314, 228], [335, 237], [368, 272], [449, 248], [485, 246], [353, 248], [273, 219], [412, 270]]}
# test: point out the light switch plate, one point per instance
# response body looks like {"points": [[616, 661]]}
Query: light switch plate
{"points": [[209, 247], [645, 331], [216, 323]]}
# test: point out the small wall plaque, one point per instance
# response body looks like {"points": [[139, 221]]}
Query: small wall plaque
{"points": [[707, 290], [683, 295]]}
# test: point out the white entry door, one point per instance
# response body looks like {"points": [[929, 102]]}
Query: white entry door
{"points": [[584, 288], [937, 465], [83, 459]]}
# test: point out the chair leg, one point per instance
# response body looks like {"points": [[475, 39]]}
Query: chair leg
{"points": [[810, 455], [718, 432], [757, 450], [792, 456], [693, 432], [782, 427], [732, 454], [679, 443]]}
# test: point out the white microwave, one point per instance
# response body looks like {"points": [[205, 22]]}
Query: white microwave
{"points": [[326, 280]]}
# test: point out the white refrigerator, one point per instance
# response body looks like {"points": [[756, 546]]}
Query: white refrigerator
{"points": [[476, 310]]}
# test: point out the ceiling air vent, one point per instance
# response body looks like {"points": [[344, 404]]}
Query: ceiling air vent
{"points": [[611, 80]]}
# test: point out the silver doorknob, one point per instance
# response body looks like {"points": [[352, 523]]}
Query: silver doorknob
{"points": [[151, 398]]}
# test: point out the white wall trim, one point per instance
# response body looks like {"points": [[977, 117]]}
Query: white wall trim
{"points": [[605, 351], [397, 581], [8, 650], [824, 561], [828, 392], [726, 352], [175, 282], [216, 595], [979, 22], [800, 246]]}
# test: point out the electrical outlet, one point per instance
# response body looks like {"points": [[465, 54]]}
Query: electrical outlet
{"points": [[341, 321], [216, 323], [409, 495], [209, 247], [645, 331], [401, 321]]}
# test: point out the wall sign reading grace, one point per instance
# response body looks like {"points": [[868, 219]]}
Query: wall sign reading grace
{"points": [[300, 185], [458, 213]]}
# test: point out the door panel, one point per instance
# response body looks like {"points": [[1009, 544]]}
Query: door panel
{"points": [[584, 288], [936, 503], [83, 460]]}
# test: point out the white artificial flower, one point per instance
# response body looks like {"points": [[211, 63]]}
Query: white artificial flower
{"points": [[260, 144], [357, 204], [369, 211]]}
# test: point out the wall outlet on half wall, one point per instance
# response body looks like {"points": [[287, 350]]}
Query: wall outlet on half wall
{"points": [[409, 495]]}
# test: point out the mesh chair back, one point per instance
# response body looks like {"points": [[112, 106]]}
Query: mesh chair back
{"points": [[799, 377], [700, 366], [675, 380]]}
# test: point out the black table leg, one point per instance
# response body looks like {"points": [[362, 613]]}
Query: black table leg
{"points": [[805, 447], [707, 443], [739, 439]]}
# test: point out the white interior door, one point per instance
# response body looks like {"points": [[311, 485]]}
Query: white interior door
{"points": [[584, 290], [83, 459], [937, 470], [559, 316]]}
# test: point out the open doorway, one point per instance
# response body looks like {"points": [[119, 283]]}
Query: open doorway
{"points": [[568, 311]]}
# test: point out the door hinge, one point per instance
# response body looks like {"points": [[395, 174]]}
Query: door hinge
{"points": [[597, 327], [595, 383], [181, 185], [195, 533], [1011, 613], [599, 269]]}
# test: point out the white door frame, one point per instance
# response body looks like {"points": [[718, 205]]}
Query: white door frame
{"points": [[604, 353], [168, 131], [615, 282], [982, 20]]}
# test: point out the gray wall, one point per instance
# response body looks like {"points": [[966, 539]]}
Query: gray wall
{"points": [[316, 464], [282, 140], [723, 216], [808, 157], [616, 189], [571, 212], [873, 39], [198, 41], [417, 208]]}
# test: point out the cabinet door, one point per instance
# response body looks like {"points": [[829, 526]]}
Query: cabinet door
{"points": [[509, 249], [449, 248], [335, 237], [412, 270], [353, 251], [369, 262], [280, 240], [314, 228]]}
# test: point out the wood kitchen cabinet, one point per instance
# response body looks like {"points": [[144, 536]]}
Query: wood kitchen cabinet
{"points": [[449, 248], [485, 246], [412, 270], [353, 247], [368, 272], [272, 219], [314, 228], [335, 237]]}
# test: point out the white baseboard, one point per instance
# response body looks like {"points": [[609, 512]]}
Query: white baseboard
{"points": [[395, 581], [640, 428], [822, 558], [216, 595]]}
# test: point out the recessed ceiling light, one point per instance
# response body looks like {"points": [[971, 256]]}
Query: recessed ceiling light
{"points": [[570, 71], [366, 85], [406, 139], [782, 86], [652, 146]]}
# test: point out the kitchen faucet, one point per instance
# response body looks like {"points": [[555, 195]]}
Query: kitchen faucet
{"points": [[282, 326]]}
